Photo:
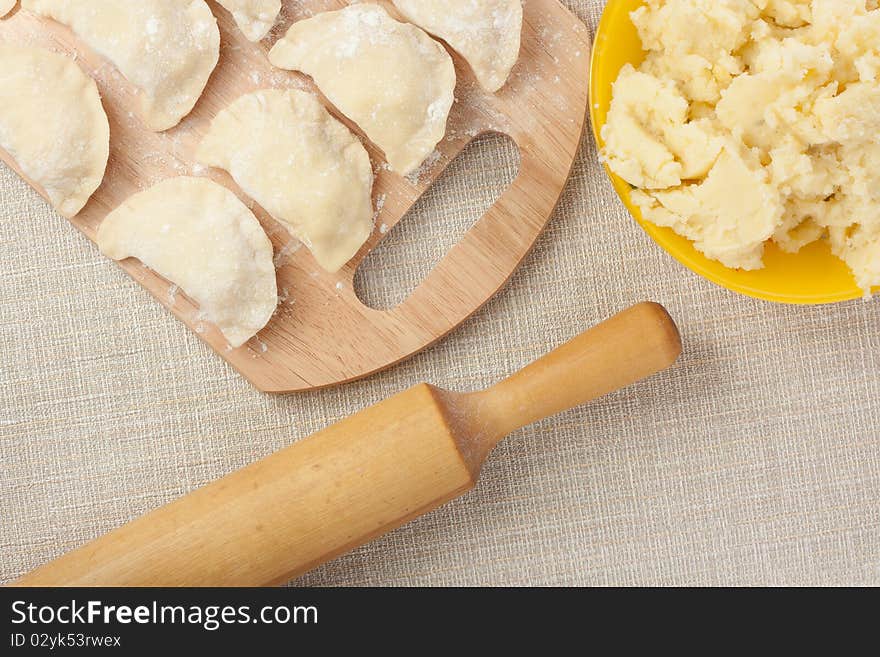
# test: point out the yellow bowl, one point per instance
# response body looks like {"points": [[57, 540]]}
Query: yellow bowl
{"points": [[812, 276]]}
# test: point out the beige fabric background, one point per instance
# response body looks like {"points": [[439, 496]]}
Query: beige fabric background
{"points": [[755, 461]]}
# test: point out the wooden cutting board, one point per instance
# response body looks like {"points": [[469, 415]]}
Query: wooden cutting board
{"points": [[322, 334]]}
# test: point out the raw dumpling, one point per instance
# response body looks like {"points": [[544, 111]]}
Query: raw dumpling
{"points": [[390, 78], [198, 235], [53, 125], [254, 17], [6, 6], [166, 48], [302, 165], [485, 32]]}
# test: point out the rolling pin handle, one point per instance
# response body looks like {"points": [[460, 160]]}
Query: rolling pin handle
{"points": [[627, 348]]}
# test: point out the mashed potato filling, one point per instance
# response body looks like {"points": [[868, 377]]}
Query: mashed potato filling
{"points": [[755, 120]]}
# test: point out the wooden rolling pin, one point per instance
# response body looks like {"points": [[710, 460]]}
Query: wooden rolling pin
{"points": [[361, 477]]}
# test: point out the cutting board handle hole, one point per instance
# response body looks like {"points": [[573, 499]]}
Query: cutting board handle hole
{"points": [[437, 222]]}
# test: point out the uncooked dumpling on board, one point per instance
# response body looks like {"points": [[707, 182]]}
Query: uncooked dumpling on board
{"points": [[390, 78], [201, 237], [6, 6], [254, 17], [303, 166], [165, 48], [53, 125], [485, 32]]}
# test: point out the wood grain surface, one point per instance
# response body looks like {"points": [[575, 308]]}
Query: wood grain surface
{"points": [[322, 334], [363, 476]]}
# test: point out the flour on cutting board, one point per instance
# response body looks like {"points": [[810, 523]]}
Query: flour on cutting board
{"points": [[243, 69], [284, 253], [415, 176]]}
